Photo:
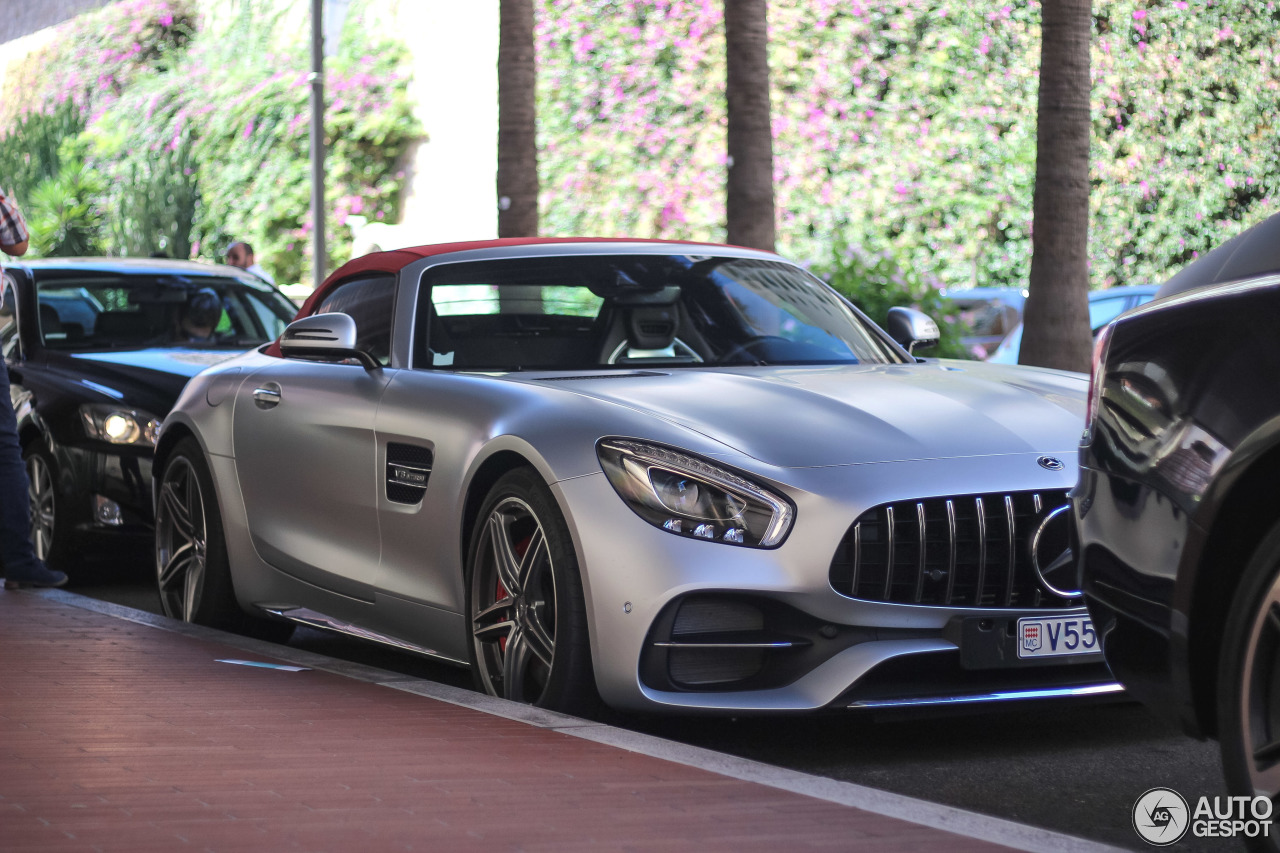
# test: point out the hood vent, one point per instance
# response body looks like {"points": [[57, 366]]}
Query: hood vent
{"points": [[628, 375]]}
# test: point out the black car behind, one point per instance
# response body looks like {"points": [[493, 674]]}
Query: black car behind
{"points": [[1178, 515], [97, 351]]}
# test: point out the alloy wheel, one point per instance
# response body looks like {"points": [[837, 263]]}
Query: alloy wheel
{"points": [[514, 603], [43, 502], [1260, 696], [181, 541]]}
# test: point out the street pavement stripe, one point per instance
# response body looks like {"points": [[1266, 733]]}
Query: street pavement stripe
{"points": [[899, 806]]}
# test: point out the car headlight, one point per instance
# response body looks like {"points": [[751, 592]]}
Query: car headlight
{"points": [[692, 497], [119, 425]]}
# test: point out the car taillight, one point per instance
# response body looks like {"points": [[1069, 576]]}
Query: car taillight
{"points": [[1101, 343]]}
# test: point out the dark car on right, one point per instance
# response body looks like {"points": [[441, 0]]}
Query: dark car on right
{"points": [[1177, 513]]}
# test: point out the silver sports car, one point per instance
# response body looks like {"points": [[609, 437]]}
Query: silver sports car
{"points": [[665, 476]]}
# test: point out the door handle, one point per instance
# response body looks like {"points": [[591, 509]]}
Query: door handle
{"points": [[267, 396]]}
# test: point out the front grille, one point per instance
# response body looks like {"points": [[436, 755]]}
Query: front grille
{"points": [[966, 551]]}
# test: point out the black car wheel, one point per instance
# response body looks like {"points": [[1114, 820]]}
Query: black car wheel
{"points": [[50, 533], [193, 573], [528, 619], [1249, 681]]}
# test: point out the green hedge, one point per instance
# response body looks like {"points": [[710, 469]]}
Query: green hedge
{"points": [[909, 127], [199, 133]]}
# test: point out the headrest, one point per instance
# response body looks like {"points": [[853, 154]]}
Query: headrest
{"points": [[652, 327]]}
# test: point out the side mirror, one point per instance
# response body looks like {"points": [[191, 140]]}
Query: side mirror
{"points": [[328, 337], [912, 328]]}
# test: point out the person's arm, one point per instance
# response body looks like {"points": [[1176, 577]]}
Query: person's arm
{"points": [[13, 230]]}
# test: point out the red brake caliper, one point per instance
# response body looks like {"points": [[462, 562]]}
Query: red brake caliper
{"points": [[500, 591]]}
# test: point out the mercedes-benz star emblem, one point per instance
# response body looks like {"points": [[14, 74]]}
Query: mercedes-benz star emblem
{"points": [[1051, 555], [1051, 463]]}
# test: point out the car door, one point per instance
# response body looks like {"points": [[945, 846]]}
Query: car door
{"points": [[306, 452]]}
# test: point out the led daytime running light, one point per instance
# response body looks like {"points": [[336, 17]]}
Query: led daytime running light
{"points": [[693, 498]]}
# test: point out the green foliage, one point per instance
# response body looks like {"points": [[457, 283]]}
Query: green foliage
{"points": [[1186, 103], [876, 282], [62, 212], [96, 57], [909, 127], [151, 203], [29, 152], [200, 134]]}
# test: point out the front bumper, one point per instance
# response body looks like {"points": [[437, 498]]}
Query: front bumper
{"points": [[795, 643], [122, 477], [1131, 540]]}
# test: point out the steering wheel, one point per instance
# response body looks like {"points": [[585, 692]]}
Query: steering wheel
{"points": [[750, 349]]}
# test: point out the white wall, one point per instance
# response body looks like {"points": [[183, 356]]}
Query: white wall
{"points": [[450, 175], [450, 181]]}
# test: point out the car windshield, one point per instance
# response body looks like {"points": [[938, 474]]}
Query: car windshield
{"points": [[89, 310], [593, 311]]}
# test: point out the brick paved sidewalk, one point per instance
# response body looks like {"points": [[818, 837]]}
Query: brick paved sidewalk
{"points": [[120, 736]]}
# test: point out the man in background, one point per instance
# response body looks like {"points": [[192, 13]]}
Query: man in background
{"points": [[240, 254], [22, 568]]}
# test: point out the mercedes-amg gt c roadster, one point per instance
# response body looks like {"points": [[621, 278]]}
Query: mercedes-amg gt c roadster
{"points": [[662, 476]]}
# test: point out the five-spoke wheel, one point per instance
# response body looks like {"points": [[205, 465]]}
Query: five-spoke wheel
{"points": [[193, 573], [528, 623], [181, 540]]}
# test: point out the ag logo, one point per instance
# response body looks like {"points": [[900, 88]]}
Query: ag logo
{"points": [[1161, 817]]}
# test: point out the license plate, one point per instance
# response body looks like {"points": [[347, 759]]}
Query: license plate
{"points": [[1056, 636]]}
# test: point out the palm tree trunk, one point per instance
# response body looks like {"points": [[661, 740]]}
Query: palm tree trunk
{"points": [[517, 122], [1056, 316], [749, 204]]}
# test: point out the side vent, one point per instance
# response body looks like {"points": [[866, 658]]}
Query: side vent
{"points": [[408, 469]]}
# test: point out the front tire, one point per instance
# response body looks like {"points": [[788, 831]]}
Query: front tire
{"points": [[51, 534], [529, 637], [193, 573], [1249, 683]]}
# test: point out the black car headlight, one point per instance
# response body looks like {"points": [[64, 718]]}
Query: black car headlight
{"points": [[120, 425], [693, 497]]}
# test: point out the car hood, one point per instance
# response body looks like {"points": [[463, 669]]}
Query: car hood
{"points": [[149, 378], [797, 417]]}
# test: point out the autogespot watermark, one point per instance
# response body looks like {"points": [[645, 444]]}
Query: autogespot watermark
{"points": [[1162, 817]]}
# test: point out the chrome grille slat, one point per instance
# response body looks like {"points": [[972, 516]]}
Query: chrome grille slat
{"points": [[888, 562], [1011, 543], [857, 553], [920, 538], [951, 558], [982, 552], [962, 557]]}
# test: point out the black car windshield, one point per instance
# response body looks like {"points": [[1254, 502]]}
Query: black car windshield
{"points": [[593, 311], [92, 310]]}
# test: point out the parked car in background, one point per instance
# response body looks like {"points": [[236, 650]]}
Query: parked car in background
{"points": [[1104, 306], [1178, 514], [670, 476], [987, 315], [97, 351]]}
